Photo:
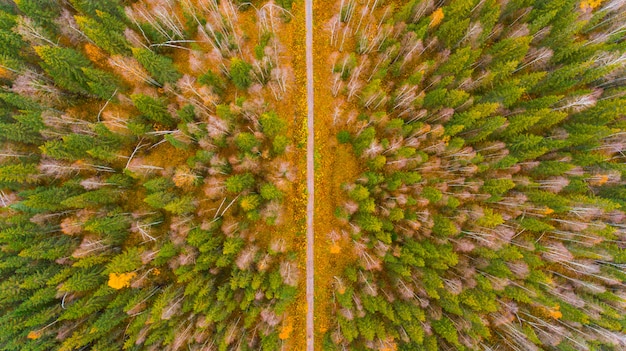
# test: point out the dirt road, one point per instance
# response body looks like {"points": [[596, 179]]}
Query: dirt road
{"points": [[310, 181]]}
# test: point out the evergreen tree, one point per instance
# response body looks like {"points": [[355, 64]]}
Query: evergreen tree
{"points": [[160, 67], [153, 109], [240, 73], [105, 31], [65, 66]]}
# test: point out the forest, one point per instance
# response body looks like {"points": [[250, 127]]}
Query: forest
{"points": [[469, 165]]}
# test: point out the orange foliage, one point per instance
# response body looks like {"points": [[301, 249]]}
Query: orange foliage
{"points": [[341, 289], [599, 179], [95, 54], [335, 248], [122, 280], [548, 211], [4, 73], [555, 313], [285, 331], [436, 17], [34, 335]]}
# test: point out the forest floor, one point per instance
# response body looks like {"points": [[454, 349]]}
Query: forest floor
{"points": [[293, 36], [310, 181], [335, 165]]}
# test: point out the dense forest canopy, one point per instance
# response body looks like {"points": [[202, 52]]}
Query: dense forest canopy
{"points": [[152, 175], [489, 209], [147, 158]]}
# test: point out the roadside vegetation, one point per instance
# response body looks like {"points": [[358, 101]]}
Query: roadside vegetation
{"points": [[148, 176], [488, 214]]}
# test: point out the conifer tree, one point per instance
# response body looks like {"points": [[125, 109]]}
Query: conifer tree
{"points": [[160, 67]]}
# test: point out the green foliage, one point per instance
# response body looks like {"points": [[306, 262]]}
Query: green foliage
{"points": [[433, 195], [94, 198], [490, 219], [18, 173], [153, 109], [43, 11], [444, 227], [344, 137], [497, 187], [25, 128], [214, 80], [369, 223], [250, 202], [247, 142], [363, 140], [271, 192], [445, 328], [272, 124], [181, 206], [160, 67], [105, 31], [65, 66], [100, 83], [239, 182], [280, 143], [359, 193], [127, 261], [240, 73]]}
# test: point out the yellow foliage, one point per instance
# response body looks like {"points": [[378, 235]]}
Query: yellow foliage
{"points": [[122, 280], [436, 17], [335, 248], [589, 4], [286, 330], [548, 211], [34, 335], [156, 271]]}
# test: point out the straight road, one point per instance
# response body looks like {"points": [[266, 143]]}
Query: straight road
{"points": [[310, 178]]}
